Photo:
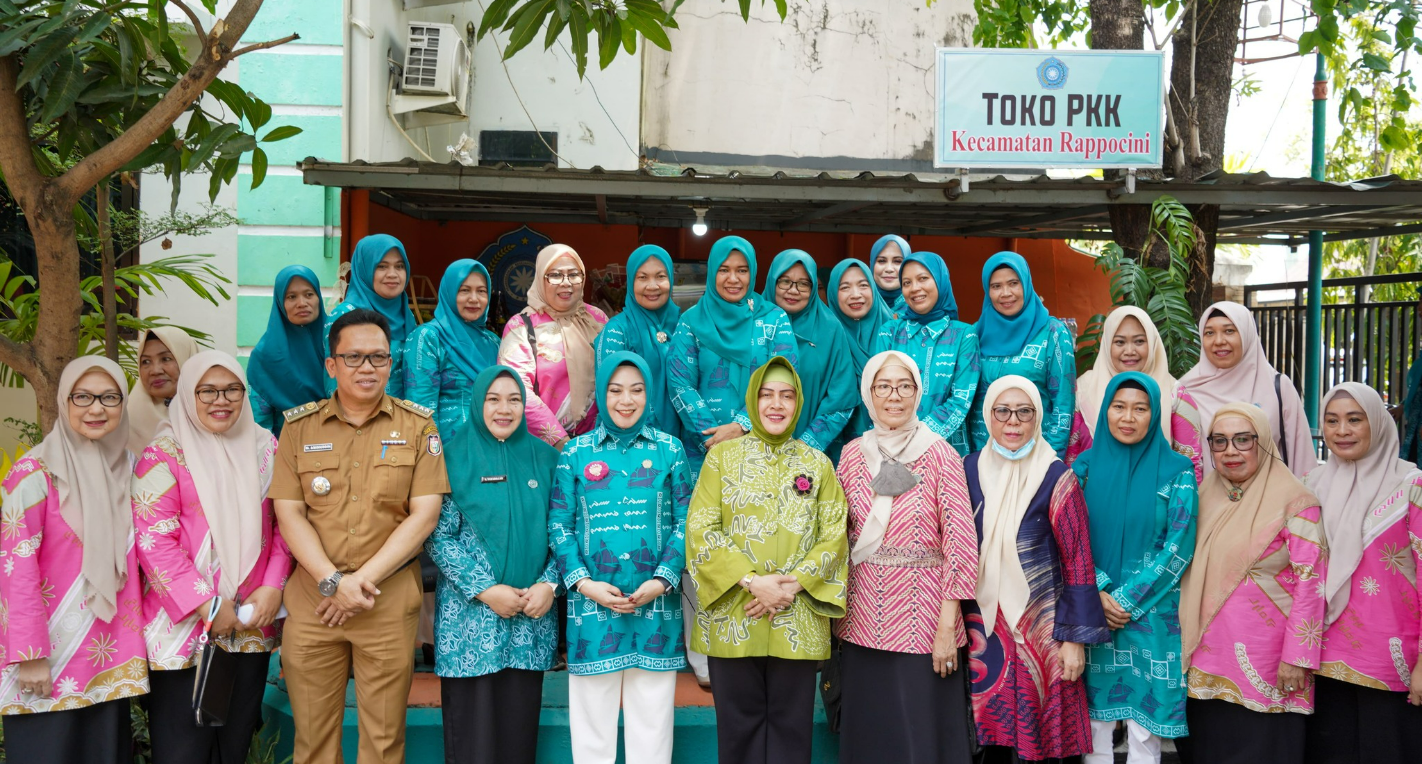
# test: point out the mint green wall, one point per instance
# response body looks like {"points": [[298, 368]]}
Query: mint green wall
{"points": [[303, 84]]}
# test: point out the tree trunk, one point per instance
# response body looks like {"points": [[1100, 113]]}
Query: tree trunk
{"points": [[1201, 77], [1120, 25], [106, 252], [57, 334]]}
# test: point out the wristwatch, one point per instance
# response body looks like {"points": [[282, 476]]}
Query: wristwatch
{"points": [[327, 586]]}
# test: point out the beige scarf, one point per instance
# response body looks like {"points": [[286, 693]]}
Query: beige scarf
{"points": [[226, 469], [92, 477], [1008, 489], [578, 329], [1349, 490], [144, 412], [1232, 535], [1091, 386], [903, 445]]}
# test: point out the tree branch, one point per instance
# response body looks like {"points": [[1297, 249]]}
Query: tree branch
{"points": [[197, 25], [265, 45], [20, 357], [17, 162], [215, 55]]}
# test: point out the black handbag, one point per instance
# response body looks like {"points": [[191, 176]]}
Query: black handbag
{"points": [[212, 686]]}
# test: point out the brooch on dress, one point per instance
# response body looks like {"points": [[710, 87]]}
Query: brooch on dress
{"points": [[803, 485], [596, 471], [662, 337]]}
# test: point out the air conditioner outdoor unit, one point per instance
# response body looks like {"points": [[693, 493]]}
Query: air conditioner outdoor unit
{"points": [[434, 86]]}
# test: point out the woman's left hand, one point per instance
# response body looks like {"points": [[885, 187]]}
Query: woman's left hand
{"points": [[1073, 658], [266, 603], [1414, 695], [945, 639], [1292, 678], [537, 599], [647, 592]]}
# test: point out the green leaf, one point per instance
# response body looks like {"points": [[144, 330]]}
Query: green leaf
{"points": [[556, 25], [209, 144], [281, 133], [94, 27], [46, 52], [259, 167], [64, 87], [609, 37], [650, 29], [259, 113], [578, 28], [745, 9], [525, 24], [1376, 63], [1395, 138], [629, 36], [494, 16], [16, 37]]}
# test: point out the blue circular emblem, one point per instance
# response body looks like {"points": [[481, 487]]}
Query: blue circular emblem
{"points": [[510, 261], [1052, 73]]}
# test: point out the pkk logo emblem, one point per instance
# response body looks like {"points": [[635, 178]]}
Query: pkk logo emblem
{"points": [[510, 261], [1052, 73]]}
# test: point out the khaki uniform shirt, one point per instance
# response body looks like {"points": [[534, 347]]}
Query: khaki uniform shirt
{"points": [[357, 481]]}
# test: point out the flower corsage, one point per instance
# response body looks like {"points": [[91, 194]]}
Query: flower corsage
{"points": [[596, 471], [803, 485]]}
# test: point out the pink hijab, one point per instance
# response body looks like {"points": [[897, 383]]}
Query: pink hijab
{"points": [[578, 329]]}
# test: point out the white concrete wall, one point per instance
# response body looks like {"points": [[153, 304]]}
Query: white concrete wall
{"points": [[840, 84], [587, 114]]}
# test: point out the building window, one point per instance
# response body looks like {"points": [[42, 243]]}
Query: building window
{"points": [[520, 148]]}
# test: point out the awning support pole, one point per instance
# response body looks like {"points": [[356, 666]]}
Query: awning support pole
{"points": [[1313, 330]]}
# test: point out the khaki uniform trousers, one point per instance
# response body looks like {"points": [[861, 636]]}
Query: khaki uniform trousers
{"points": [[316, 660]]}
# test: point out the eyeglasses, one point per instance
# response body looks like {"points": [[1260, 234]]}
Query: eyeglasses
{"points": [[1242, 442], [573, 278], [85, 400], [1025, 415], [354, 360], [232, 394], [904, 389], [790, 285]]}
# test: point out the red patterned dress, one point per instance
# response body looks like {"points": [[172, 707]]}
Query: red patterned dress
{"points": [[1019, 697]]}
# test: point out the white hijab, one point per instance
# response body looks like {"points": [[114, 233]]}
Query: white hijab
{"points": [[1008, 489], [226, 469], [903, 445], [1091, 386]]}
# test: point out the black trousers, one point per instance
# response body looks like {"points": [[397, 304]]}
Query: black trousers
{"points": [[1002, 754], [1352, 724], [492, 719], [97, 734], [895, 708], [765, 709], [1228, 733], [177, 739]]}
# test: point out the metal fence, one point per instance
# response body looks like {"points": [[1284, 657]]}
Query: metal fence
{"points": [[1373, 342]]}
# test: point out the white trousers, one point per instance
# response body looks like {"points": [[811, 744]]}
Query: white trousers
{"points": [[1141, 746], [648, 702], [695, 660]]}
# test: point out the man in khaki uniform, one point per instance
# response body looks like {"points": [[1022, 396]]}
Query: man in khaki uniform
{"points": [[358, 483]]}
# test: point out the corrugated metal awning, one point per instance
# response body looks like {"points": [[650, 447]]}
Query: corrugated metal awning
{"points": [[1254, 208]]}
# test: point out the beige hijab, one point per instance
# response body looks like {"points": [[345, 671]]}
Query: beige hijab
{"points": [[1091, 386], [1232, 535], [144, 412], [1008, 489], [228, 471], [903, 445], [579, 329], [92, 477], [1350, 490]]}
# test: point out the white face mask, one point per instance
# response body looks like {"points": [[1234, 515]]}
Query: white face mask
{"points": [[1013, 456]]}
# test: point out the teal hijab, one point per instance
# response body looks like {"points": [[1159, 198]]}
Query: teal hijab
{"points": [[890, 296], [1121, 481], [644, 326], [623, 435], [503, 488], [1000, 335], [728, 328], [821, 339], [288, 365], [470, 345], [946, 305], [861, 331], [361, 292]]}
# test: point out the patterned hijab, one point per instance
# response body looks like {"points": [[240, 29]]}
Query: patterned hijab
{"points": [[92, 477], [228, 470], [577, 327]]}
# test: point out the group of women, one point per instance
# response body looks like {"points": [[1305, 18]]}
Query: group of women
{"points": [[1001, 558]]}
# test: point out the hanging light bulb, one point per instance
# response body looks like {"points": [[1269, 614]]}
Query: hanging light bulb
{"points": [[699, 227], [1266, 15]]}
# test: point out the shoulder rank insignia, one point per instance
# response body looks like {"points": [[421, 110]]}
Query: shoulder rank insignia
{"points": [[305, 409], [415, 407]]}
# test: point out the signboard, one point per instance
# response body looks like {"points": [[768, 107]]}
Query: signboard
{"points": [[1050, 108], [510, 262]]}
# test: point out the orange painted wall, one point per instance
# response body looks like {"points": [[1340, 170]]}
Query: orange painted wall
{"points": [[1066, 279]]}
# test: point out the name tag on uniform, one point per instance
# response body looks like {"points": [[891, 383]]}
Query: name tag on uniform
{"points": [[312, 448], [494, 479]]}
